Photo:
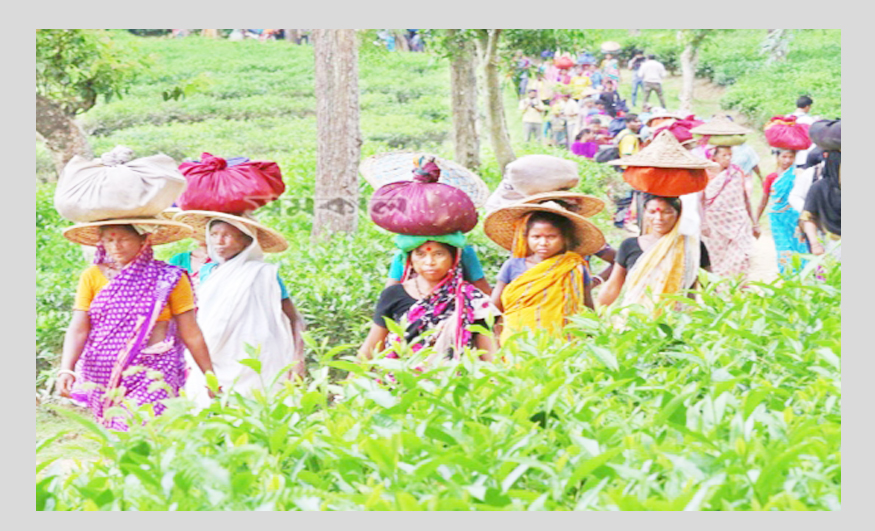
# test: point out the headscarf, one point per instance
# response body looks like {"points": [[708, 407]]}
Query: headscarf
{"points": [[823, 205]]}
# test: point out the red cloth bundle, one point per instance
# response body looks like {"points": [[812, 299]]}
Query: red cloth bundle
{"points": [[213, 185], [785, 133], [667, 182]]}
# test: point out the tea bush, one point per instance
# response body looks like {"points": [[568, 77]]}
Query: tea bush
{"points": [[732, 405]]}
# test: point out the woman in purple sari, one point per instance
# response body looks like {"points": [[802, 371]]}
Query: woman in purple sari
{"points": [[132, 319]]}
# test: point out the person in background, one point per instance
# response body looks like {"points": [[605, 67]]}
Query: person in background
{"points": [[533, 115], [803, 116], [559, 121], [627, 140], [746, 158], [634, 64], [584, 144], [610, 97], [611, 69], [823, 207], [579, 83], [783, 218], [652, 73]]}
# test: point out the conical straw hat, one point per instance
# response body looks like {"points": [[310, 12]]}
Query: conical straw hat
{"points": [[584, 205], [269, 240], [665, 152], [500, 226], [163, 230], [720, 125]]}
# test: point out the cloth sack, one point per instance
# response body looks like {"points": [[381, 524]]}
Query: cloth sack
{"points": [[117, 186], [423, 206], [215, 185], [827, 134], [503, 196], [535, 174], [784, 132]]}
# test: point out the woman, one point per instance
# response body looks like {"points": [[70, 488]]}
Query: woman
{"points": [[610, 98], [783, 218], [436, 298], [546, 281], [242, 302], [823, 207], [131, 311], [611, 68], [662, 259], [728, 228]]}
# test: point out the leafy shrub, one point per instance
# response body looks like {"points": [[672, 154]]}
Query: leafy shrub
{"points": [[732, 405]]}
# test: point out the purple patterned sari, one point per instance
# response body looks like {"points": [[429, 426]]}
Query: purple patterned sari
{"points": [[116, 365]]}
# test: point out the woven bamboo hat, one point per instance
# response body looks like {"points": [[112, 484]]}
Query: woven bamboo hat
{"points": [[665, 152], [395, 166], [269, 240], [721, 124], [582, 204], [501, 226], [162, 230]]}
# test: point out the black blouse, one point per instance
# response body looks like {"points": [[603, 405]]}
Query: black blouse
{"points": [[630, 251]]}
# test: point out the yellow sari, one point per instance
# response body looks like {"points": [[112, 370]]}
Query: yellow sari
{"points": [[543, 296]]}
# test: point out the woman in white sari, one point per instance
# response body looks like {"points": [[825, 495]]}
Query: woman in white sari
{"points": [[659, 262], [242, 301]]}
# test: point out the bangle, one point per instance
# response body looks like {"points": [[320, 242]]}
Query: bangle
{"points": [[600, 279], [68, 371]]}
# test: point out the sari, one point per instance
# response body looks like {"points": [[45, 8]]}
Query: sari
{"points": [[784, 221], [116, 364], [727, 229], [544, 296], [450, 308], [239, 305], [669, 266]]}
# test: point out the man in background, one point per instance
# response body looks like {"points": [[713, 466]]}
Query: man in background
{"points": [[652, 73]]}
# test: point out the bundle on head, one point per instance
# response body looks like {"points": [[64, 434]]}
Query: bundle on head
{"points": [[423, 206]]}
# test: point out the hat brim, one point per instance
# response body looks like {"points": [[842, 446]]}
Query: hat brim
{"points": [[587, 205], [167, 232], [500, 227], [269, 240]]}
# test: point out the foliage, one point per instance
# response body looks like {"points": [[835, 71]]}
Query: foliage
{"points": [[75, 67], [732, 405]]}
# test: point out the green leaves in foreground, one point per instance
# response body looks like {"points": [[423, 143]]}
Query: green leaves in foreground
{"points": [[734, 404]]}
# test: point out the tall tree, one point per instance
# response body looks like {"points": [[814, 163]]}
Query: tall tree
{"points": [[496, 123], [463, 80], [339, 139], [691, 40], [776, 45], [73, 69]]}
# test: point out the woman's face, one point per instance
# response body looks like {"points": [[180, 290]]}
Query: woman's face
{"points": [[121, 243], [661, 216], [545, 240], [228, 241], [786, 159], [432, 261], [723, 156]]}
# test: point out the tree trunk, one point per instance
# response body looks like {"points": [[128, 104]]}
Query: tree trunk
{"points": [[496, 123], [689, 59], [63, 136], [339, 139], [463, 79], [293, 35], [211, 33], [634, 32]]}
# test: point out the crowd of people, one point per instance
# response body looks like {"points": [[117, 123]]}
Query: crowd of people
{"points": [[688, 208]]}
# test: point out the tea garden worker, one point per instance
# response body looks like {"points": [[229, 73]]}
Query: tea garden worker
{"points": [[659, 262], [131, 311], [241, 302], [783, 218], [546, 280]]}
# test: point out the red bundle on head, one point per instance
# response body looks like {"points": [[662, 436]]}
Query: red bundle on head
{"points": [[423, 206], [784, 132], [213, 185]]}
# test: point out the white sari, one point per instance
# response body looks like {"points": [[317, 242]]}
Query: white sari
{"points": [[238, 304]]}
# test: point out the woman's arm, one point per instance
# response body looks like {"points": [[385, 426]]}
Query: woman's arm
{"points": [[810, 230], [611, 289], [297, 323], [193, 339], [487, 345], [496, 294], [74, 342], [763, 203], [483, 285], [375, 339]]}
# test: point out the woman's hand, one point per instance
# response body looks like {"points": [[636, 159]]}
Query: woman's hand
{"points": [[817, 248], [757, 231], [64, 384]]}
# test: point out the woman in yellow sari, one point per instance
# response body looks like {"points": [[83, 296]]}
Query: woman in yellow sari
{"points": [[659, 262], [546, 280]]}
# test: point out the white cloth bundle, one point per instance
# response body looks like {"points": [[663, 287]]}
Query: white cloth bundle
{"points": [[535, 174], [114, 186]]}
